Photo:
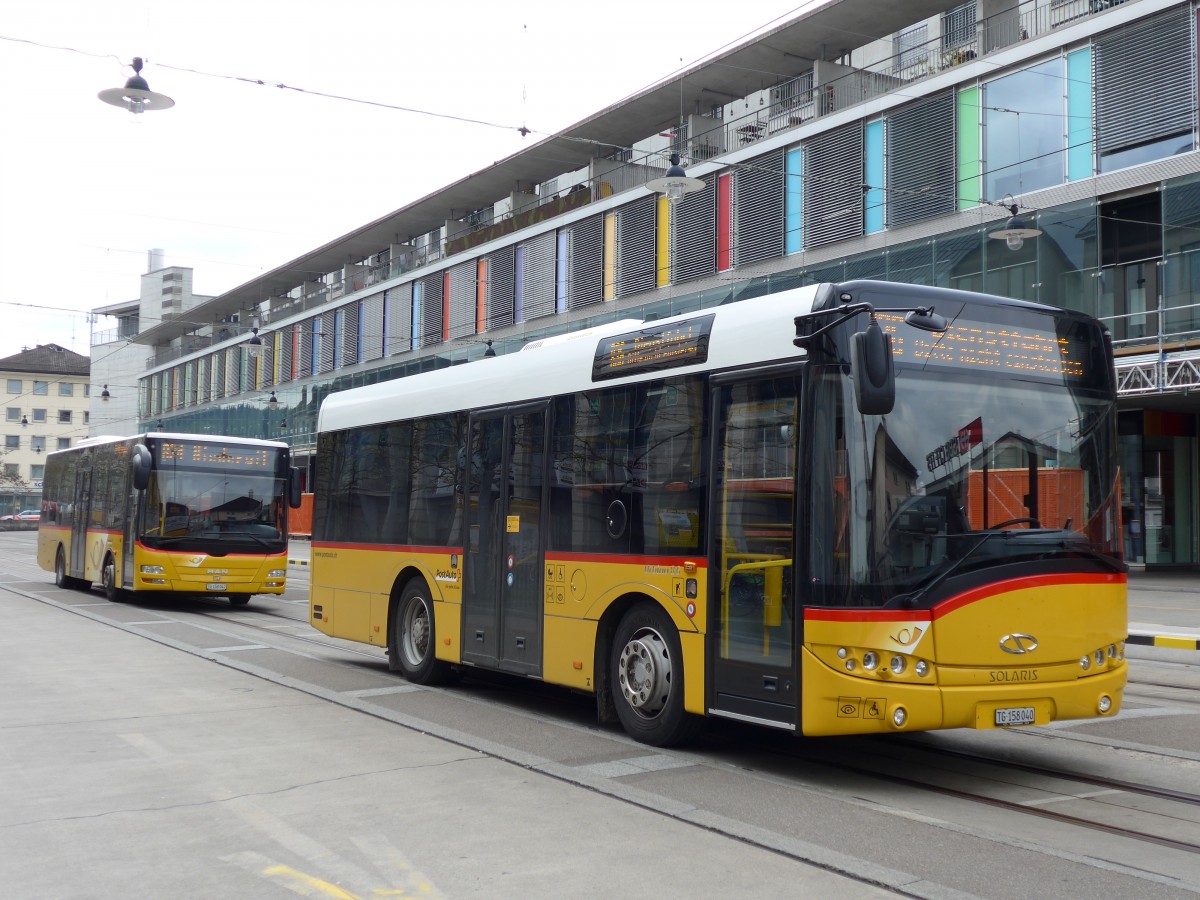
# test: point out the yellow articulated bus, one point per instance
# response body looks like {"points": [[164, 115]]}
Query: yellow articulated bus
{"points": [[858, 508], [169, 513]]}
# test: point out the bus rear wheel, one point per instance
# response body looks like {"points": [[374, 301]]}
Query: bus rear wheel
{"points": [[239, 599], [412, 648], [647, 678], [108, 577]]}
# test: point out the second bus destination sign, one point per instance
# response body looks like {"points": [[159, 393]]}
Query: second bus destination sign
{"points": [[653, 348]]}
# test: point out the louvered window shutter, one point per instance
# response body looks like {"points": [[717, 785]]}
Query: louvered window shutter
{"points": [[921, 155], [537, 277], [758, 209], [585, 278], [833, 186], [635, 247], [501, 289], [694, 234]]}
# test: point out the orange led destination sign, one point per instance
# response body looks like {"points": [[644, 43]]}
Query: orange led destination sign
{"points": [[990, 347], [653, 348], [217, 456]]}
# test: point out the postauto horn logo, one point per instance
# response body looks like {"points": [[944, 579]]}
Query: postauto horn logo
{"points": [[1018, 643]]}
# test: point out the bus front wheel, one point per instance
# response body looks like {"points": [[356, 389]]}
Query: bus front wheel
{"points": [[108, 577], [647, 678], [61, 578], [414, 638]]}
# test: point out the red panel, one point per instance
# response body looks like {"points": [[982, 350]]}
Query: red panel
{"points": [[724, 223]]}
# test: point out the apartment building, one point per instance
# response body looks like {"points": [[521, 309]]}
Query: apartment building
{"points": [[46, 395], [1044, 149]]}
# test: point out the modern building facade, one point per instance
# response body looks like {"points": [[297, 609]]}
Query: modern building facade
{"points": [[46, 393], [826, 153]]}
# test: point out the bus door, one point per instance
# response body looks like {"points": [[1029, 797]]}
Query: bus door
{"points": [[502, 577], [80, 514], [752, 611]]}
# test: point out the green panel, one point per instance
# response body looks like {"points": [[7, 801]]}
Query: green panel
{"points": [[1079, 114], [968, 148]]}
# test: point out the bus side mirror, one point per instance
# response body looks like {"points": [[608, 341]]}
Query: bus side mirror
{"points": [[294, 487], [142, 463], [871, 368]]}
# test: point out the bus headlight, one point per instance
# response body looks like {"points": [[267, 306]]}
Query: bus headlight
{"points": [[276, 573], [870, 660], [1085, 662], [152, 570], [1099, 658], [898, 665], [1105, 704], [921, 668], [899, 716]]}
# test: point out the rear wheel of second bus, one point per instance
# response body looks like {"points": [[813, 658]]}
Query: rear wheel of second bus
{"points": [[413, 638], [647, 678]]}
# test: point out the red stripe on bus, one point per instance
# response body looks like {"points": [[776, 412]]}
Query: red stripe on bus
{"points": [[625, 559], [959, 601], [389, 548]]}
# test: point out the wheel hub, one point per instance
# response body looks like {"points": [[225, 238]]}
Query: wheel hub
{"points": [[644, 673]]}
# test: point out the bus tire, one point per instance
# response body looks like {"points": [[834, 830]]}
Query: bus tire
{"points": [[646, 669], [108, 577], [239, 599], [413, 643], [61, 578]]}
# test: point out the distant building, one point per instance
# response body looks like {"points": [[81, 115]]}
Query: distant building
{"points": [[118, 362], [45, 408]]}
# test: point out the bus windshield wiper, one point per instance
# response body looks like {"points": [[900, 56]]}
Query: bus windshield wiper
{"points": [[911, 600]]}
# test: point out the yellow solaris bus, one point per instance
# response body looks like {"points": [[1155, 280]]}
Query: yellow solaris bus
{"points": [[841, 509], [169, 513]]}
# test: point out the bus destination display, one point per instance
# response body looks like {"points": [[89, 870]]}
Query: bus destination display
{"points": [[216, 456], [1014, 349], [653, 348]]}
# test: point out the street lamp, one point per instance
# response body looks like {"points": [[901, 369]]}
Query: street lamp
{"points": [[136, 96], [254, 345], [1015, 230], [675, 183]]}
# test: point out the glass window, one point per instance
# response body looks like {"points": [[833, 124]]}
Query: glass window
{"points": [[14, 385], [37, 472], [87, 390], [12, 470], [66, 389], [12, 442], [37, 444], [12, 414], [41, 388], [1024, 124], [39, 415], [64, 444], [64, 417], [87, 417]]}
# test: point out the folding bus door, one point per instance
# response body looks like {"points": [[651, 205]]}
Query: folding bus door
{"points": [[80, 515], [502, 588], [752, 610]]}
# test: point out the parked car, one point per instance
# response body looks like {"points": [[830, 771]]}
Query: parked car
{"points": [[26, 518]]}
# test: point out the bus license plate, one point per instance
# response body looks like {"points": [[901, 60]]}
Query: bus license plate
{"points": [[1016, 715], [225, 587]]}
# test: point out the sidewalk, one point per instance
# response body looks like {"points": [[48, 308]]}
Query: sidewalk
{"points": [[1164, 609]]}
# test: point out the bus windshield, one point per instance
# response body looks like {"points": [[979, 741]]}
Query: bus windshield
{"points": [[205, 499], [965, 473]]}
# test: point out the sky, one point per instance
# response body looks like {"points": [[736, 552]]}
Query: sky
{"points": [[240, 177]]}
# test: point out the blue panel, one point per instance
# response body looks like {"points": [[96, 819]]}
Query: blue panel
{"points": [[873, 152], [560, 272], [794, 201], [418, 292], [518, 298], [1079, 114]]}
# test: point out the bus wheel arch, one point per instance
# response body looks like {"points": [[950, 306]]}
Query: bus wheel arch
{"points": [[412, 633], [642, 662]]}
